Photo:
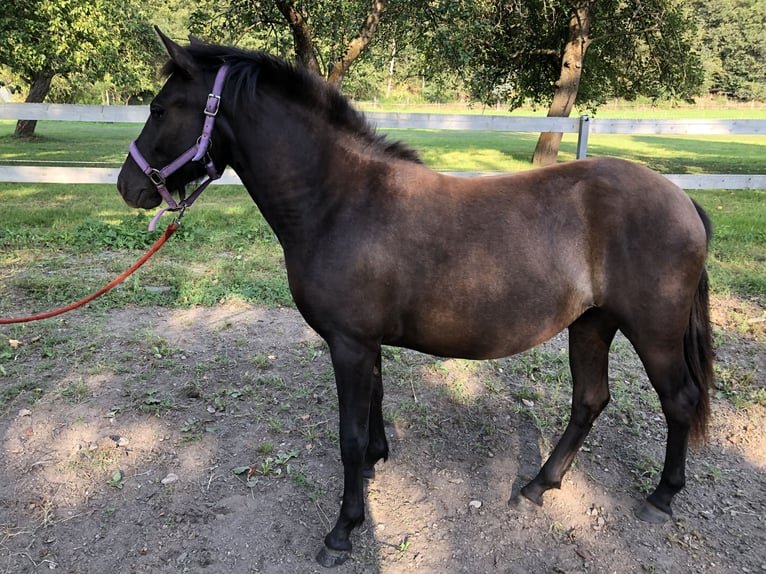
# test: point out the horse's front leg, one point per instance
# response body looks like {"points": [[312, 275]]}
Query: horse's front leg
{"points": [[354, 365]]}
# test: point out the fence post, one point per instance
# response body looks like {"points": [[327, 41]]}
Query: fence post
{"points": [[582, 136]]}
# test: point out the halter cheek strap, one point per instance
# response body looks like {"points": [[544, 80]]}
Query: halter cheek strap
{"points": [[198, 152]]}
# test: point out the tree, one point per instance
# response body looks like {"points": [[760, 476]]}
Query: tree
{"points": [[326, 37], [733, 46], [43, 39], [563, 53]]}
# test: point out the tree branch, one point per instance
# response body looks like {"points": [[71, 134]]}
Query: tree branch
{"points": [[359, 44]]}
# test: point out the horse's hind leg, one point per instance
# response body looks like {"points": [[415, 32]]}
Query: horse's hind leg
{"points": [[589, 340], [378, 446], [679, 396]]}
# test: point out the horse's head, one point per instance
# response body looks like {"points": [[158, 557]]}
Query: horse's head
{"points": [[170, 152]]}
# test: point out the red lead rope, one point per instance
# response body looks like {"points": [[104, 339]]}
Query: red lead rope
{"points": [[159, 243]]}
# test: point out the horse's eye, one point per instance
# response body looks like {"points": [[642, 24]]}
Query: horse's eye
{"points": [[157, 112]]}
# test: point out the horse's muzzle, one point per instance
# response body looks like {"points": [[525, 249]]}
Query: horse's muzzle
{"points": [[137, 194]]}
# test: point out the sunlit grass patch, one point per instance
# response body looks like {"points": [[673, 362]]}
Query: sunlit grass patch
{"points": [[737, 261]]}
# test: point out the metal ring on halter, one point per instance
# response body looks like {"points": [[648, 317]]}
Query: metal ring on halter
{"points": [[179, 213], [209, 143]]}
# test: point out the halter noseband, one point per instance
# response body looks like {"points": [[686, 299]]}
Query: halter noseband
{"points": [[198, 152]]}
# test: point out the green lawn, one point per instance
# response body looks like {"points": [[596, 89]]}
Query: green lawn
{"points": [[498, 151], [62, 241], [69, 142], [64, 142]]}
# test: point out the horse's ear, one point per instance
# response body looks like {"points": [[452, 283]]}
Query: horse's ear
{"points": [[194, 41], [178, 54]]}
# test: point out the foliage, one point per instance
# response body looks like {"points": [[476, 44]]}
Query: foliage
{"points": [[634, 48], [394, 53], [734, 46], [424, 50], [82, 40], [263, 24]]}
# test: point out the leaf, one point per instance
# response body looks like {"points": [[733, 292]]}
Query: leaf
{"points": [[116, 480], [240, 469]]}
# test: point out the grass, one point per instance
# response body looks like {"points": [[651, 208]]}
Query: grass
{"points": [[737, 259], [442, 150], [62, 142], [42, 227], [60, 242], [499, 151]]}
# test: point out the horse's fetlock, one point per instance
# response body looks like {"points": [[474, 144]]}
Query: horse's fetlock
{"points": [[376, 452], [338, 541]]}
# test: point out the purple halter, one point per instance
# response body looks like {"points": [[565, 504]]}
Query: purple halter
{"points": [[198, 152]]}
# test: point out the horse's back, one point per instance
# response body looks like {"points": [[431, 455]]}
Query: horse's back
{"points": [[482, 267]]}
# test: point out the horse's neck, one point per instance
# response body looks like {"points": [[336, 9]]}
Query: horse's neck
{"points": [[286, 203], [285, 175], [298, 167]]}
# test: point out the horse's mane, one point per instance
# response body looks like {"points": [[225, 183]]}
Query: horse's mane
{"points": [[249, 69]]}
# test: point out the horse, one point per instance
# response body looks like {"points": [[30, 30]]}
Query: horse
{"points": [[381, 250]]}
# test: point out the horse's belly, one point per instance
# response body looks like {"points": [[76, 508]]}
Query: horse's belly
{"points": [[483, 335]]}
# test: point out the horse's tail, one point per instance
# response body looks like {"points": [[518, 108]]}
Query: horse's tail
{"points": [[698, 346]]}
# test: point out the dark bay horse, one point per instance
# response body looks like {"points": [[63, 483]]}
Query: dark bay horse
{"points": [[380, 250]]}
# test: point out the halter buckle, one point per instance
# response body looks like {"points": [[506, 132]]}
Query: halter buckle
{"points": [[156, 177], [213, 103]]}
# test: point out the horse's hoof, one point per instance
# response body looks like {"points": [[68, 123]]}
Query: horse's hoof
{"points": [[650, 513], [330, 558], [368, 473], [531, 495], [523, 504]]}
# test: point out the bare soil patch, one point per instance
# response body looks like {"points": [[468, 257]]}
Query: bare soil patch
{"points": [[120, 433]]}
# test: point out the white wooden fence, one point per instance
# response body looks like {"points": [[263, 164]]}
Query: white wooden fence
{"points": [[583, 126]]}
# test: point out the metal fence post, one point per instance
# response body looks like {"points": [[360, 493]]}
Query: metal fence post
{"points": [[582, 136]]}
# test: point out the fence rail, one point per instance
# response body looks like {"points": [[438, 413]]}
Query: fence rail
{"points": [[583, 126]]}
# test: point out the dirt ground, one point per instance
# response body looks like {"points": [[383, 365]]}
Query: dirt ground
{"points": [[128, 437]]}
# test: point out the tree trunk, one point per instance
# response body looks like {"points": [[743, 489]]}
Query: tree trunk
{"points": [[302, 39], [38, 90], [566, 87], [358, 44]]}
